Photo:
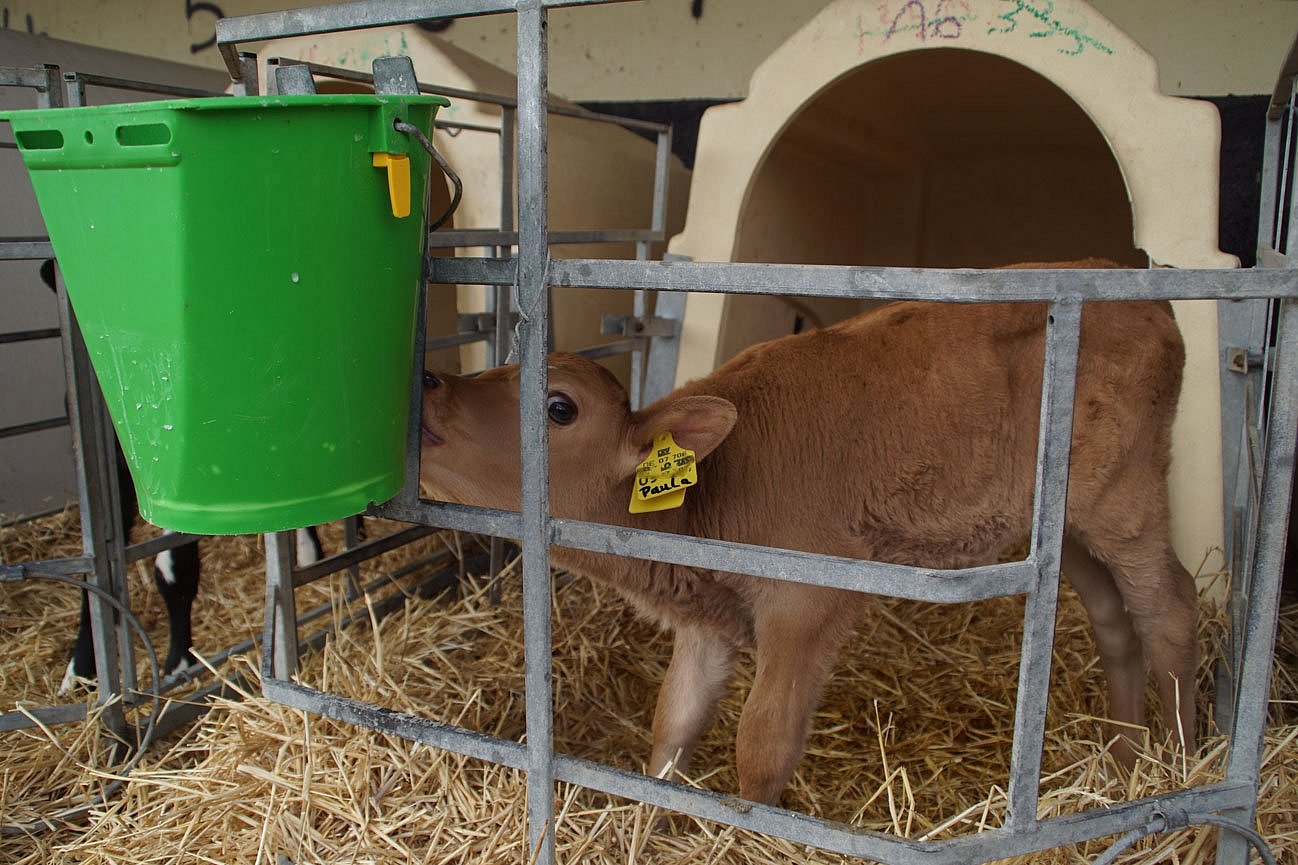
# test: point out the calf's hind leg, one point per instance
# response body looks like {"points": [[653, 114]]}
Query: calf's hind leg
{"points": [[1162, 601], [1121, 656]]}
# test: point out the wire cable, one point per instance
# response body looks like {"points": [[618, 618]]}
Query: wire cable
{"points": [[68, 815]]}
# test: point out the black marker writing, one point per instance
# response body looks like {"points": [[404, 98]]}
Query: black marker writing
{"points": [[192, 8]]}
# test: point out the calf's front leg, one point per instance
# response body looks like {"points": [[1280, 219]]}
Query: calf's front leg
{"points": [[796, 649], [701, 665]]}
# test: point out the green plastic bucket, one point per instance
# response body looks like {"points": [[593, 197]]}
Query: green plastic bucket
{"points": [[246, 293]]}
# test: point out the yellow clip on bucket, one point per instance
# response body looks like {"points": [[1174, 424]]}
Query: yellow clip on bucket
{"points": [[398, 166]]}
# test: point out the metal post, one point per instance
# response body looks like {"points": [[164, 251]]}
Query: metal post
{"points": [[50, 95], [501, 340], [246, 84], [75, 90], [1054, 442], [352, 538], [533, 294], [409, 494], [1254, 675], [281, 608], [118, 538], [96, 510], [658, 221]]}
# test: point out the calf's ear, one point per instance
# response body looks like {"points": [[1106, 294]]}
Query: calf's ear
{"points": [[697, 423]]}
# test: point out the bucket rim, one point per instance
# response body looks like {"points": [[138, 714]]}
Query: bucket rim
{"points": [[232, 103]]}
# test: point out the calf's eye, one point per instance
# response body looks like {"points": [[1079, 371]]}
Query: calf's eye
{"points": [[561, 409]]}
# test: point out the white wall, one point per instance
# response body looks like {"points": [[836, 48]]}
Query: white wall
{"points": [[656, 49]]}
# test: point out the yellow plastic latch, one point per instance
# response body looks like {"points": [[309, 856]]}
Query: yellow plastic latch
{"points": [[398, 166]]}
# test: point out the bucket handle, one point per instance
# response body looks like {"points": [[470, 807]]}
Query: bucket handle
{"points": [[410, 129]]}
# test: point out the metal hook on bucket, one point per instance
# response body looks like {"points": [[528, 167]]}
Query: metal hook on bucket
{"points": [[410, 129]]}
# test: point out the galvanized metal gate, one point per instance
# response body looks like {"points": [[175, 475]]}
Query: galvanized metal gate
{"points": [[524, 282], [531, 274], [1253, 387]]}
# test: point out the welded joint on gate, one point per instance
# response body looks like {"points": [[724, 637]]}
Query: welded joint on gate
{"points": [[646, 325]]}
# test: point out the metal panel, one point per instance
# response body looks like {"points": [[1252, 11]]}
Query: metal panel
{"points": [[882, 283]]}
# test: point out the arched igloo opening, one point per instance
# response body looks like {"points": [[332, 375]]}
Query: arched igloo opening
{"points": [[936, 158]]}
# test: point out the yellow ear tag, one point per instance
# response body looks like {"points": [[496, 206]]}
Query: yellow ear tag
{"points": [[398, 166], [662, 479]]}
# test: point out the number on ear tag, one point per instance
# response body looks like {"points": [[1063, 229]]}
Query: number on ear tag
{"points": [[661, 480]]}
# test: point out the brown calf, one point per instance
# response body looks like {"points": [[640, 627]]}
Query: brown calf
{"points": [[907, 435]]}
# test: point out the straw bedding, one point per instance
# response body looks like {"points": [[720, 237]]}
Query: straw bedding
{"points": [[913, 736]]}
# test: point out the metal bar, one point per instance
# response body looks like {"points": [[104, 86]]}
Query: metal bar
{"points": [[460, 518], [1286, 198], [658, 221], [389, 722], [901, 283], [477, 271], [360, 553], [408, 495], [1254, 677], [29, 335], [85, 78], [74, 90], [1284, 178], [355, 15], [244, 80], [885, 283], [461, 126], [452, 341], [1271, 147], [352, 541], [1054, 444], [44, 79], [664, 351], [96, 519], [34, 426], [50, 94], [662, 180], [502, 338], [901, 581], [118, 539], [533, 301], [280, 646], [1268, 257], [1280, 96], [26, 249], [46, 715], [985, 846], [150, 548], [58, 567], [295, 80], [493, 237], [499, 100], [37, 78], [609, 349]]}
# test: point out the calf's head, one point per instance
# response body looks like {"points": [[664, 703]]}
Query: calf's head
{"points": [[470, 443]]}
